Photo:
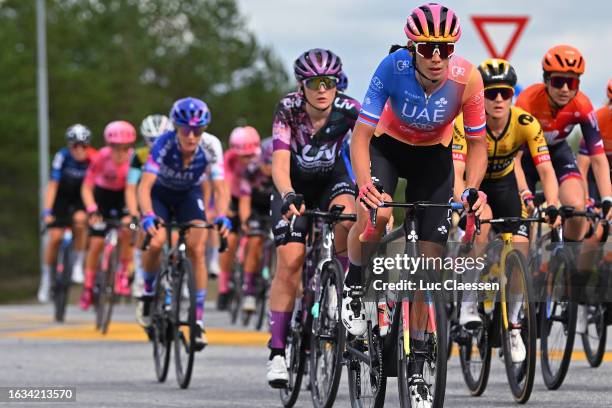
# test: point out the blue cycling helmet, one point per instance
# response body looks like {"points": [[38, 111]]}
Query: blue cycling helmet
{"points": [[190, 112], [342, 82]]}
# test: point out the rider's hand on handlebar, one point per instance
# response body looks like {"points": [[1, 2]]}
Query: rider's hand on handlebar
{"points": [[606, 206], [528, 197], [291, 202], [47, 216], [476, 198], [551, 215], [369, 196], [149, 223], [224, 224]]}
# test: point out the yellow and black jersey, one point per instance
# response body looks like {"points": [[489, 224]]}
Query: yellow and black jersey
{"points": [[521, 128]]}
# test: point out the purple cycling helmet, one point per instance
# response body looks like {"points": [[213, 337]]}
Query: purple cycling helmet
{"points": [[190, 112], [317, 62]]}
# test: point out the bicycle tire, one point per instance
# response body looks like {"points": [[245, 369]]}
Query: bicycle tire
{"points": [[261, 304], [435, 365], [62, 283], [235, 303], [356, 370], [595, 355], [161, 325], [559, 268], [107, 292], [184, 350], [521, 376], [477, 385], [296, 362], [328, 333]]}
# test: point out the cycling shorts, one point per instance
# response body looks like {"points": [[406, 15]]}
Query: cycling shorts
{"points": [[67, 201], [179, 205], [429, 174], [318, 193], [111, 204], [505, 201], [563, 160]]}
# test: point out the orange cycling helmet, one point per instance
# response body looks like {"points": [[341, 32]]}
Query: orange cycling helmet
{"points": [[432, 22], [563, 58], [610, 89]]}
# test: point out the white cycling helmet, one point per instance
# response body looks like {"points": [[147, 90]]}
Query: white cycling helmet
{"points": [[153, 126], [78, 134]]}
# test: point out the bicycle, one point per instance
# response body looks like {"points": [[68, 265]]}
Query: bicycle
{"points": [[506, 266], [369, 359], [316, 333], [173, 307], [61, 273], [104, 288]]}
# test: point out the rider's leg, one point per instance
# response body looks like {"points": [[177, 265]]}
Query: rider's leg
{"points": [[196, 240], [252, 262], [226, 261], [54, 239]]}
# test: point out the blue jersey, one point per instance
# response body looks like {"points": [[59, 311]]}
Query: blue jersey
{"points": [[67, 171], [396, 104], [166, 162]]}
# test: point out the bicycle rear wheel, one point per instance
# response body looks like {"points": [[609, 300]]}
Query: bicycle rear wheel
{"points": [[106, 297], [557, 322], [184, 322], [161, 325], [295, 358], [594, 340], [327, 339], [475, 357], [367, 381], [519, 294]]}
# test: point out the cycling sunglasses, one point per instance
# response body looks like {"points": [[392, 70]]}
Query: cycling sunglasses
{"points": [[428, 49], [558, 82], [78, 144], [314, 83], [186, 130], [491, 93]]}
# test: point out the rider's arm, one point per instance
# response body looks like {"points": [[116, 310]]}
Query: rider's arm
{"points": [[584, 163], [594, 145], [144, 192], [459, 152], [131, 201], [360, 152], [280, 171], [521, 180], [221, 193], [88, 185], [244, 208], [601, 171], [50, 194], [474, 125]]}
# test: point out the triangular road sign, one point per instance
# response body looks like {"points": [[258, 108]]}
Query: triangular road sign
{"points": [[518, 21]]}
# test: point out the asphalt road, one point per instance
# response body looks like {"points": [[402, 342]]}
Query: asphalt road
{"points": [[117, 370]]}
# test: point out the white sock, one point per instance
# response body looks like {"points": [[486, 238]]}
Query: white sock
{"points": [[79, 257], [46, 272]]}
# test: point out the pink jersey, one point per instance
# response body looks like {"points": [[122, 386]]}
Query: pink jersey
{"points": [[245, 179], [103, 172]]}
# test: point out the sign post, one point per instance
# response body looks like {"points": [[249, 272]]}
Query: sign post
{"points": [[520, 22]]}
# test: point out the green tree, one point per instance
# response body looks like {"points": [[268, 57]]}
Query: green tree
{"points": [[118, 59]]}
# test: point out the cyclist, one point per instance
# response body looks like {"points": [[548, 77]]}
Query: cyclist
{"points": [[172, 185], [412, 99], [151, 128], [249, 178], [63, 203], [508, 129], [103, 196], [559, 105], [309, 128], [591, 242]]}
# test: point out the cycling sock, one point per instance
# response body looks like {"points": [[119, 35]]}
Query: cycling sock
{"points": [[514, 309], [149, 281], [415, 366], [279, 326], [125, 267], [344, 261], [200, 298], [353, 276], [79, 257], [249, 283], [46, 272], [212, 260], [90, 277], [224, 278]]}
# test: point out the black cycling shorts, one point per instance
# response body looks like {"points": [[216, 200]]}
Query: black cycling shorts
{"points": [[563, 161], [505, 201], [67, 201], [429, 174], [111, 204], [318, 193]]}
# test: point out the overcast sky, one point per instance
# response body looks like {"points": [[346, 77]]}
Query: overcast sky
{"points": [[360, 31]]}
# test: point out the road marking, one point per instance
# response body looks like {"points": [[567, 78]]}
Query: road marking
{"points": [[576, 355], [132, 332]]}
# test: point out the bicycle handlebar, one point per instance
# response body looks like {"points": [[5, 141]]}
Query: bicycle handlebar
{"points": [[183, 227]]}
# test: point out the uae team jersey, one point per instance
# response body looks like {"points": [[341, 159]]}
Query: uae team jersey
{"points": [[604, 120], [166, 162], [396, 104], [103, 172], [557, 125]]}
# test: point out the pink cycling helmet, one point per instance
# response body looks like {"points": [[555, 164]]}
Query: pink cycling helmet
{"points": [[317, 62], [119, 132], [432, 22], [245, 141]]}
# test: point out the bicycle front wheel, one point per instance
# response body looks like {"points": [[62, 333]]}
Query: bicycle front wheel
{"points": [[107, 290], [295, 358], [557, 322], [327, 338], [475, 357], [62, 281], [184, 322], [518, 325], [162, 327], [594, 339]]}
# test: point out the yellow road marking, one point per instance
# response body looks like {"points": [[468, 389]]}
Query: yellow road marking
{"points": [[132, 332], [576, 355]]}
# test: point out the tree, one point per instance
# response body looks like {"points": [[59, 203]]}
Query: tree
{"points": [[112, 60]]}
